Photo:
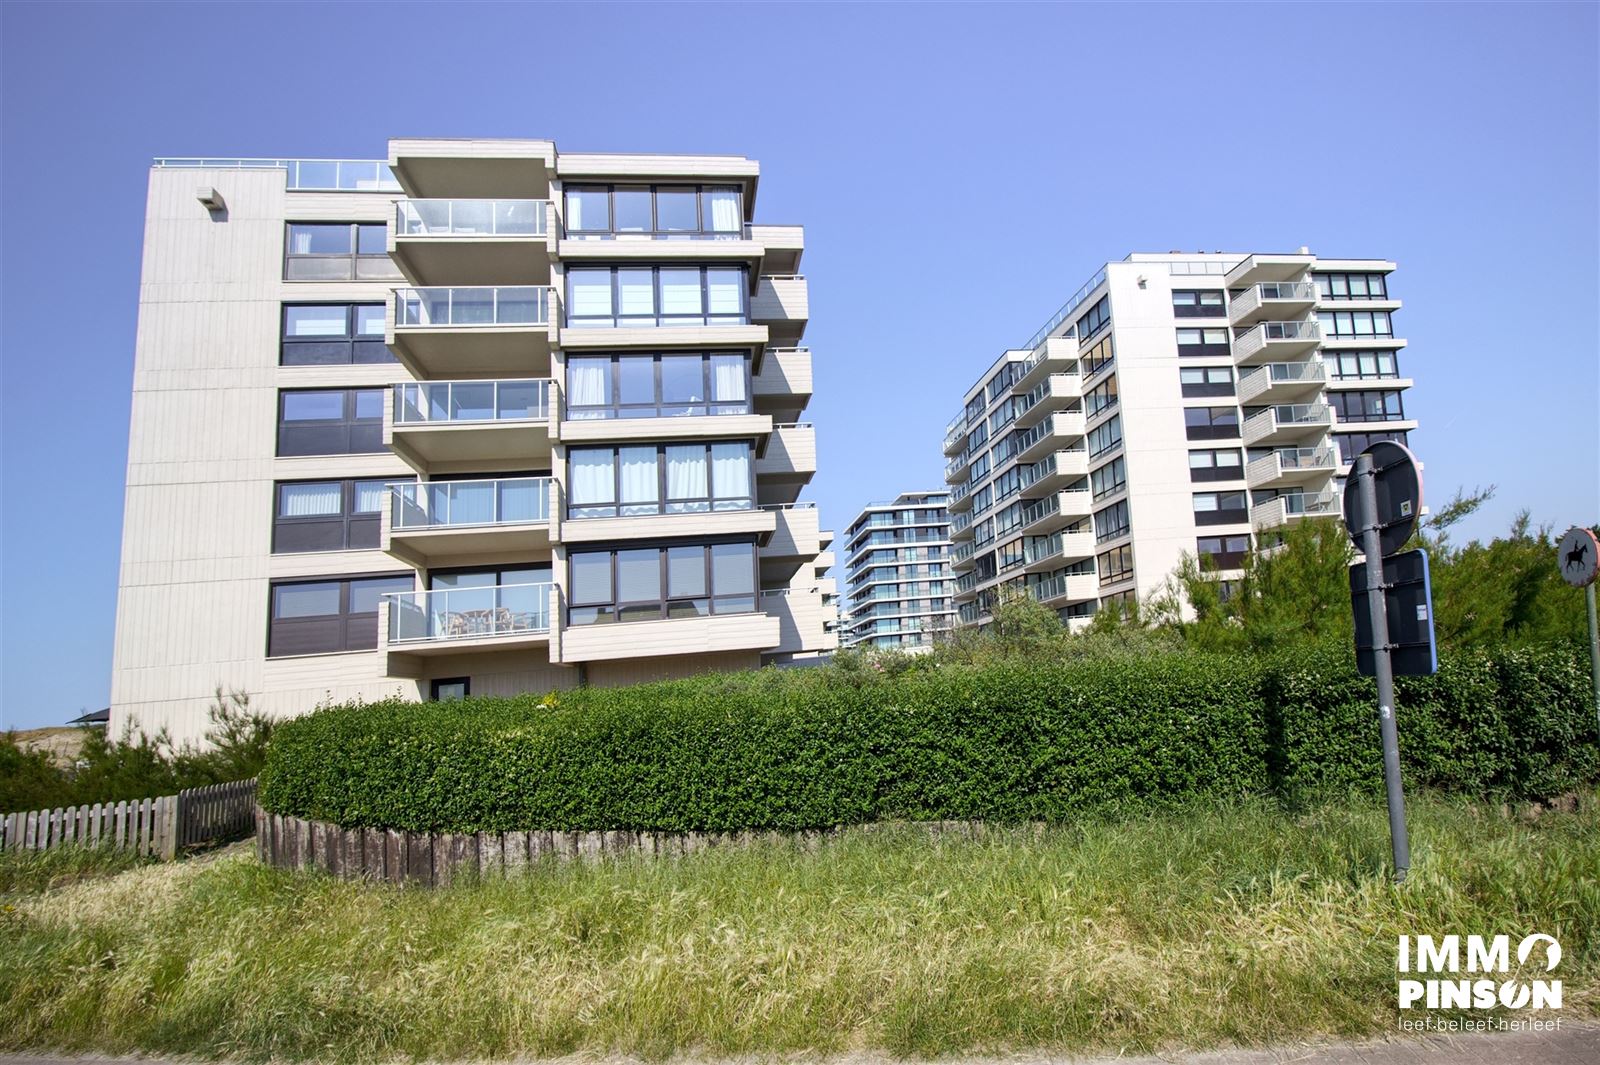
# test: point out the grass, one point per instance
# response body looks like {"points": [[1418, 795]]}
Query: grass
{"points": [[32, 872], [1238, 925]]}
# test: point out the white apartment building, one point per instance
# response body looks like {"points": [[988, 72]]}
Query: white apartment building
{"points": [[1175, 404], [897, 575], [480, 418]]}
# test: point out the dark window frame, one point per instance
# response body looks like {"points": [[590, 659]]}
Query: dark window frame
{"points": [[654, 320], [343, 623], [1205, 347], [1340, 399], [1215, 471], [1222, 557], [354, 257], [1206, 389], [655, 232], [1198, 308], [617, 410], [662, 501], [1335, 359], [348, 519], [1222, 515], [1325, 283], [346, 348], [347, 424], [617, 606], [1216, 425], [438, 682]]}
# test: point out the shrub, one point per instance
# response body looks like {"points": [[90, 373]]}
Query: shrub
{"points": [[1018, 740]]}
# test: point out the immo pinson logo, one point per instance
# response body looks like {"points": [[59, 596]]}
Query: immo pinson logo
{"points": [[1486, 963]]}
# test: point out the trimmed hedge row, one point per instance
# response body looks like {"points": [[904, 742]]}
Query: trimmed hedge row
{"points": [[797, 749]]}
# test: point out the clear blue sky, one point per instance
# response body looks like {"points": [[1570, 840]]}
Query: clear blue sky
{"points": [[960, 170]]}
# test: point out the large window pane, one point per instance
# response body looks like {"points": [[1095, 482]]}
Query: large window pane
{"points": [[683, 384], [732, 569], [588, 210], [680, 293], [686, 572], [372, 240], [677, 210], [589, 293], [313, 406], [640, 483], [319, 599], [639, 576], [369, 403], [636, 380], [728, 382], [723, 213], [725, 291], [318, 321], [591, 577], [730, 476], [319, 239], [632, 207], [588, 383], [369, 319], [593, 482], [310, 500], [686, 479], [367, 594], [635, 293]]}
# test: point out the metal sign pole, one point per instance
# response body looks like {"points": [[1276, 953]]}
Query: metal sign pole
{"points": [[1594, 652], [1371, 546]]}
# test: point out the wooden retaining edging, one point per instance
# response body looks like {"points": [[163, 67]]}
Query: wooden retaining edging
{"points": [[158, 827], [437, 858]]}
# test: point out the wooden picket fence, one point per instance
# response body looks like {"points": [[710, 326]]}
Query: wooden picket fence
{"points": [[157, 828]]}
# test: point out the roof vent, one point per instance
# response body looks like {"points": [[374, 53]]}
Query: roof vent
{"points": [[1304, 250], [211, 198]]}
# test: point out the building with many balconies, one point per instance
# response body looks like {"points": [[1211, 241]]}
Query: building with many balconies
{"points": [[897, 576], [1176, 404], [483, 418]]}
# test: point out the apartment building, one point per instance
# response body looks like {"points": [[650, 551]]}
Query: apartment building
{"points": [[1175, 404], [897, 576], [480, 418]]}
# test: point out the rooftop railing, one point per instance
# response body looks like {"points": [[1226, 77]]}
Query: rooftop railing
{"points": [[304, 175], [1067, 308], [470, 218], [458, 308]]}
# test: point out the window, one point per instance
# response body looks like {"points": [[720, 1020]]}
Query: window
{"points": [[1220, 508], [1111, 522], [650, 583], [1093, 320], [327, 515], [1199, 382], [681, 212], [1353, 444], [1355, 324], [1003, 379], [1104, 437], [1215, 465], [694, 478], [1197, 341], [447, 690], [1110, 478], [656, 295], [1098, 358], [328, 615], [1367, 406], [657, 386], [330, 421], [338, 251], [1356, 365], [1115, 565], [1222, 552], [1201, 303], [1351, 287], [1102, 397], [331, 334], [1211, 423]]}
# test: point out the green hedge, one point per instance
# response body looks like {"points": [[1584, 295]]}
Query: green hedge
{"points": [[1016, 742]]}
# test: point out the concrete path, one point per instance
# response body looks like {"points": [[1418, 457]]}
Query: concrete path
{"points": [[1576, 1043]]}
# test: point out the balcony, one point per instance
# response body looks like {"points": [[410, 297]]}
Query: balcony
{"points": [[465, 620], [782, 386], [960, 497], [472, 242], [435, 520], [1269, 341], [1055, 433], [1256, 269], [488, 168], [955, 471], [453, 426], [783, 305], [1056, 392], [438, 332], [1055, 355], [1282, 382], [961, 555], [781, 246], [785, 463], [955, 435], [798, 613], [1291, 466], [791, 545], [1041, 554], [1055, 511], [1271, 299], [1296, 422], [1280, 512], [1055, 471], [1066, 588]]}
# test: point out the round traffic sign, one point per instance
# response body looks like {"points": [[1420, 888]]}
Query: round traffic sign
{"points": [[1397, 483], [1577, 555]]}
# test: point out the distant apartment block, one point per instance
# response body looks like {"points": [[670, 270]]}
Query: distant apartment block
{"points": [[480, 418], [897, 576], [1175, 404]]}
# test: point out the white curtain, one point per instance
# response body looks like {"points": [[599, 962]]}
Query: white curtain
{"points": [[310, 500], [588, 382], [730, 476], [640, 493], [591, 477], [725, 211], [574, 211], [727, 378], [686, 476], [725, 291], [370, 496]]}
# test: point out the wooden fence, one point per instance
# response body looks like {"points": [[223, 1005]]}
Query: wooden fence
{"points": [[434, 859], [158, 827]]}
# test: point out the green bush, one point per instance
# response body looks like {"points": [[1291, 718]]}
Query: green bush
{"points": [[1013, 741]]}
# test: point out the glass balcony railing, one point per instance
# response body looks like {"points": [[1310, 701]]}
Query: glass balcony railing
{"points": [[1290, 331], [470, 218], [458, 504], [463, 613], [1299, 504], [458, 308], [305, 175], [1287, 290], [423, 402]]}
